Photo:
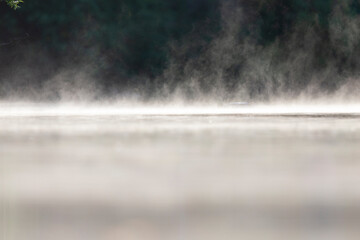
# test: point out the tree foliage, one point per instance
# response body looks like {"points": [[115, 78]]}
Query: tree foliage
{"points": [[14, 3]]}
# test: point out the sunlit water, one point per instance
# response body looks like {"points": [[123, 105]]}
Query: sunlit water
{"points": [[223, 172]]}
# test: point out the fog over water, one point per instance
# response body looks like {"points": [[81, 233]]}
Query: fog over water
{"points": [[240, 129], [176, 172]]}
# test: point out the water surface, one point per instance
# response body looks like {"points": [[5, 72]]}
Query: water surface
{"points": [[249, 172]]}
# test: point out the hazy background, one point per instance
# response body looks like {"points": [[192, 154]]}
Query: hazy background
{"points": [[95, 143], [190, 49]]}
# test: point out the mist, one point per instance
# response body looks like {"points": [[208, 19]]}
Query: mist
{"points": [[182, 119], [308, 62], [233, 67]]}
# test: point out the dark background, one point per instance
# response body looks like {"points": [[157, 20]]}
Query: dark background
{"points": [[129, 42]]}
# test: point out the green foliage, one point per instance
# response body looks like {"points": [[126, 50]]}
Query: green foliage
{"points": [[14, 3]]}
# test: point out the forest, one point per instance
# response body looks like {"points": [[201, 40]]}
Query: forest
{"points": [[260, 46]]}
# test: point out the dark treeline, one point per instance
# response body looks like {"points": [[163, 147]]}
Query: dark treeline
{"points": [[119, 38], [129, 43]]}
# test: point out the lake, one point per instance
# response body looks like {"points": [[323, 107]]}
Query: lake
{"points": [[109, 172]]}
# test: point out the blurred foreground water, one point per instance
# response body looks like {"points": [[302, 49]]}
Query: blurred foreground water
{"points": [[143, 174]]}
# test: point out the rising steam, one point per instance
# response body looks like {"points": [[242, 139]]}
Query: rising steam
{"points": [[234, 68], [228, 68]]}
